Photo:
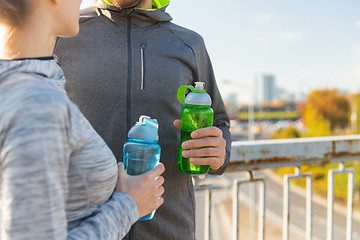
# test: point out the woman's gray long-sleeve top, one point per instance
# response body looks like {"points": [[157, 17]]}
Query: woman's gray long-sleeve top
{"points": [[57, 175]]}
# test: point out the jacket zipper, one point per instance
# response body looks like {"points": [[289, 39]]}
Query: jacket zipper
{"points": [[128, 98], [142, 50], [128, 111]]}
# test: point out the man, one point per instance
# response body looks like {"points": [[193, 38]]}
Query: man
{"points": [[129, 60]]}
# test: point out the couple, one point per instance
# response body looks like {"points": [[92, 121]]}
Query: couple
{"points": [[58, 177]]}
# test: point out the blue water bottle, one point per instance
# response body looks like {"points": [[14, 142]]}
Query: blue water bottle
{"points": [[141, 151]]}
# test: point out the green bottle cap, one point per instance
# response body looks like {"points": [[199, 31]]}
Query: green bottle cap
{"points": [[197, 96], [182, 91]]}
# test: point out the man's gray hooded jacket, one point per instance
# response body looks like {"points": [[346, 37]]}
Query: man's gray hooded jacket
{"points": [[130, 62]]}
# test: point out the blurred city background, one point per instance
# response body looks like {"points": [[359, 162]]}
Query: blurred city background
{"points": [[286, 69], [270, 56]]}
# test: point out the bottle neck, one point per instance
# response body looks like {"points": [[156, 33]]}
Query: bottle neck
{"points": [[196, 106], [141, 140]]}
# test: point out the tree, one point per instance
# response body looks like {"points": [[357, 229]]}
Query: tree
{"points": [[289, 132], [357, 107], [324, 111]]}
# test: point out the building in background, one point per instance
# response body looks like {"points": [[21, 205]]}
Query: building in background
{"points": [[265, 89], [232, 99], [232, 106]]}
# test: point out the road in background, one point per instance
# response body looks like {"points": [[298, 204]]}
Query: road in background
{"points": [[222, 211]]}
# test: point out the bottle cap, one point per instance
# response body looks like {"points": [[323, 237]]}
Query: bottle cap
{"points": [[145, 129], [197, 96]]}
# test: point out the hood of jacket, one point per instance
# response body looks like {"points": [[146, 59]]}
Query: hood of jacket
{"points": [[45, 68], [158, 14], [155, 3]]}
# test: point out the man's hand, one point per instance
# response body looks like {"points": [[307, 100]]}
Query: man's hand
{"points": [[206, 148]]}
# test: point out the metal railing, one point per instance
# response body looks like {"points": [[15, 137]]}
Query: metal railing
{"points": [[250, 156]]}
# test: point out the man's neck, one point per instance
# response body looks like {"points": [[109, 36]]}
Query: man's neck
{"points": [[145, 4]]}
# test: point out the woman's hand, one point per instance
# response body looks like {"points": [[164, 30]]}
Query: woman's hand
{"points": [[145, 189]]}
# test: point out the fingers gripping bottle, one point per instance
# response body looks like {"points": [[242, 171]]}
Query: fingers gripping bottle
{"points": [[141, 151], [197, 113]]}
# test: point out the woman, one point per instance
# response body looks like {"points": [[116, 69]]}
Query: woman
{"points": [[57, 176]]}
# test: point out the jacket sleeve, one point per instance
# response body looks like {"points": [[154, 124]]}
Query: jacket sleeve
{"points": [[112, 220], [35, 146], [205, 74]]}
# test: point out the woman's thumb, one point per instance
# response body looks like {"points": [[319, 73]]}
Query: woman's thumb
{"points": [[121, 167], [177, 124]]}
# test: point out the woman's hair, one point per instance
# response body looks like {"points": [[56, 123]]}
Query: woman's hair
{"points": [[14, 12]]}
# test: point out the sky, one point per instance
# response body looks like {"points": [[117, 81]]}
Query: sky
{"points": [[307, 45]]}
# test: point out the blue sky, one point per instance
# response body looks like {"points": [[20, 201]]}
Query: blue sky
{"points": [[305, 44]]}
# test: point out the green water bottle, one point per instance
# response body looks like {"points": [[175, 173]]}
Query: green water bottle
{"points": [[197, 113]]}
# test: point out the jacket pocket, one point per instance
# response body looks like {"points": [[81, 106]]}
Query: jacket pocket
{"points": [[142, 55]]}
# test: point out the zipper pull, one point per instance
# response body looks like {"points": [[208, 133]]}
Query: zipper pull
{"points": [[131, 13]]}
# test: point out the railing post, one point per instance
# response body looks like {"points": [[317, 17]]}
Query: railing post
{"points": [[235, 209], [286, 208], [349, 214], [262, 205], [286, 203], [207, 221], [208, 206], [262, 197], [330, 202], [330, 196], [309, 191], [252, 193]]}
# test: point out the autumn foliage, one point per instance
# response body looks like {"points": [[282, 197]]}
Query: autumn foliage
{"points": [[289, 132], [324, 111]]}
